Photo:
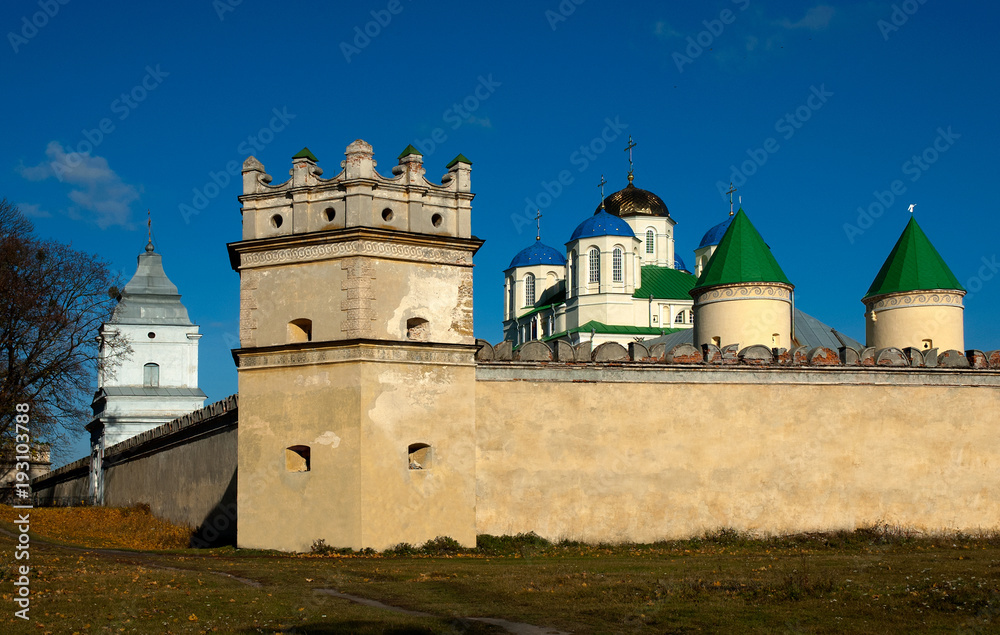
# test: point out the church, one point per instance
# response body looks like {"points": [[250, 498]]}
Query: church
{"points": [[620, 279], [369, 414]]}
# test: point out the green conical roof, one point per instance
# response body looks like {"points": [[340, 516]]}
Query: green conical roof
{"points": [[304, 153], [742, 256], [913, 265], [461, 158], [407, 151]]}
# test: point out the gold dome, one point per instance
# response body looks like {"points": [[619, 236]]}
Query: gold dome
{"points": [[633, 202]]}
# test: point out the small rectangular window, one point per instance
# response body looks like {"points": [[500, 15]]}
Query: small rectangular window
{"points": [[419, 456], [297, 458]]}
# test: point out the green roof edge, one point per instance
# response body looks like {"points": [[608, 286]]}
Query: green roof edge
{"points": [[461, 158], [408, 150], [756, 262], [304, 153], [922, 270]]}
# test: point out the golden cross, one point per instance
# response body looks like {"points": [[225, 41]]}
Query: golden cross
{"points": [[730, 193], [628, 148], [538, 225]]}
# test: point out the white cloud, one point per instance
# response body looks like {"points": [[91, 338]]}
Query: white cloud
{"points": [[664, 31], [32, 211], [480, 121], [97, 188], [815, 19]]}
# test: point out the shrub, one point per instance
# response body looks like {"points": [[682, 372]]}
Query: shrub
{"points": [[401, 549], [502, 545], [442, 546]]}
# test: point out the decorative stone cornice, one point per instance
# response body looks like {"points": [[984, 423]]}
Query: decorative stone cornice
{"points": [[745, 291], [941, 297], [356, 351], [362, 241]]}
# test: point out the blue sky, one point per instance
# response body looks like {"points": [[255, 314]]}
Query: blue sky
{"points": [[817, 111]]}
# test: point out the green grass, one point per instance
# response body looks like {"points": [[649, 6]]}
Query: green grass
{"points": [[873, 580]]}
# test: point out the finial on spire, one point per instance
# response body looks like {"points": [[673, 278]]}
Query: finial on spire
{"points": [[538, 225], [601, 185], [912, 205], [149, 231], [628, 148], [730, 193]]}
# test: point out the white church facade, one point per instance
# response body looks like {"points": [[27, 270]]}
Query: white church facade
{"points": [[618, 279]]}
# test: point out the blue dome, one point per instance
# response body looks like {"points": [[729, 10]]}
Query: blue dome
{"points": [[679, 264], [602, 224], [714, 235], [537, 254]]}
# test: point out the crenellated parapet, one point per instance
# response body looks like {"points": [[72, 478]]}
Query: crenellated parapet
{"points": [[358, 196], [560, 353]]}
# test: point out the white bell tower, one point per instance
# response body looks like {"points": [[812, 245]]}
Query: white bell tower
{"points": [[158, 381]]}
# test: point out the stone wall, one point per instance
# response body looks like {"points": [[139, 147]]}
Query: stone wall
{"points": [[70, 484], [646, 451], [185, 470]]}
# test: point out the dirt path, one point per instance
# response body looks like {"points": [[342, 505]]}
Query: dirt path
{"points": [[148, 559]]}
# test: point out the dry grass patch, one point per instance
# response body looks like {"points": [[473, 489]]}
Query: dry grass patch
{"points": [[104, 527]]}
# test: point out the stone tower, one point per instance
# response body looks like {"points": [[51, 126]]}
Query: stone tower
{"points": [[915, 300], [356, 361], [742, 296], [158, 382]]}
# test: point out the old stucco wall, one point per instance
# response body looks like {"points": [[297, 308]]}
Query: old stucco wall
{"points": [[358, 414], [191, 482], [69, 484], [651, 453]]}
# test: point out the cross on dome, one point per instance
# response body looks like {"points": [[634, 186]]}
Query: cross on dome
{"points": [[628, 148]]}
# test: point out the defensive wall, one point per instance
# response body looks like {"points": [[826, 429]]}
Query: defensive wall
{"points": [[615, 444], [185, 470]]}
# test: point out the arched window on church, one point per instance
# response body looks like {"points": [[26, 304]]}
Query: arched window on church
{"points": [[529, 289], [570, 267], [594, 262], [690, 317], [510, 298], [650, 241], [151, 376], [679, 319], [617, 273]]}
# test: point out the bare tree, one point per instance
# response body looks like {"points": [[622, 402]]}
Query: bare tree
{"points": [[53, 301]]}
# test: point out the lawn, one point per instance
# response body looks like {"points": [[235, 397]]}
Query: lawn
{"points": [[868, 581]]}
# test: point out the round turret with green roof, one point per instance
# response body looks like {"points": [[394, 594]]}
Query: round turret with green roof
{"points": [[742, 296], [915, 300]]}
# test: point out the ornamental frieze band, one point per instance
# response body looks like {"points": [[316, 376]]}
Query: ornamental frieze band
{"points": [[917, 299], [745, 292], [359, 353], [356, 248]]}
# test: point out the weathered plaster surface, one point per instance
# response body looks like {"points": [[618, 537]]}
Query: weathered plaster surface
{"points": [[649, 453]]}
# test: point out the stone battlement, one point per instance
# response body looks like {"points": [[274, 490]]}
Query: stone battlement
{"points": [[755, 355], [358, 196]]}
